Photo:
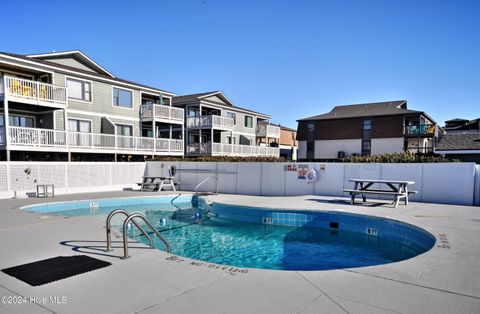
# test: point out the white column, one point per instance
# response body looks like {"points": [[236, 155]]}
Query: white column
{"points": [[154, 130], [65, 129], [6, 124]]}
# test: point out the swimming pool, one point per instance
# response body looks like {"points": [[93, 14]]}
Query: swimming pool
{"points": [[252, 237]]}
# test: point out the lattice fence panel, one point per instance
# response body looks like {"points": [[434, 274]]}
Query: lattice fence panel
{"points": [[88, 174], [127, 173], [3, 178], [21, 180]]}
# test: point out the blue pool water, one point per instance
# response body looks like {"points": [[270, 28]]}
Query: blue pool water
{"points": [[271, 239]]}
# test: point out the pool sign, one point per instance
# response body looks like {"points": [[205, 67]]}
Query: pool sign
{"points": [[292, 167], [302, 171]]}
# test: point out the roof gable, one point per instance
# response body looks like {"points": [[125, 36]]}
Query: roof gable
{"points": [[73, 58]]}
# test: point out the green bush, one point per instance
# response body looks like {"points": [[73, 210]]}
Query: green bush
{"points": [[404, 157]]}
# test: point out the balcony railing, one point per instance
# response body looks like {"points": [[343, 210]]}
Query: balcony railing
{"points": [[267, 130], [162, 112], [33, 137], [33, 90], [209, 121], [421, 130], [218, 149]]}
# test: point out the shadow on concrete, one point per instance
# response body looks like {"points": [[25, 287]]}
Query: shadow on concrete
{"points": [[347, 202], [77, 246]]}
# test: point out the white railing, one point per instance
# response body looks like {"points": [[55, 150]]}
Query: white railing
{"points": [[21, 88], [36, 137], [267, 130], [91, 140], [210, 121], [33, 137], [169, 145], [161, 112], [219, 149]]}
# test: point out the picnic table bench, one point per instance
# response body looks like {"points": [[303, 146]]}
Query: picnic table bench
{"points": [[397, 189], [156, 183]]}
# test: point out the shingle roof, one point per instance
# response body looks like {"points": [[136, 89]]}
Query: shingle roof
{"points": [[69, 68], [191, 97], [365, 110], [469, 141], [198, 96]]}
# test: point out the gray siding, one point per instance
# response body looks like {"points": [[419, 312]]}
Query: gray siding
{"points": [[102, 104], [71, 62]]}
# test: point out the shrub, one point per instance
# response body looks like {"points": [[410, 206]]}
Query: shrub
{"points": [[404, 157]]}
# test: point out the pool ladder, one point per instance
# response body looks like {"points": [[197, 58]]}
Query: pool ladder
{"points": [[131, 218], [208, 178]]}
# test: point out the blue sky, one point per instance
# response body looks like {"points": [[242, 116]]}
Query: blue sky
{"points": [[290, 59]]}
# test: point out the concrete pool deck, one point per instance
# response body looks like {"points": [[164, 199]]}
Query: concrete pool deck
{"points": [[445, 279]]}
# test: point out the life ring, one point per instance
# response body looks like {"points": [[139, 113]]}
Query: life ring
{"points": [[311, 175]]}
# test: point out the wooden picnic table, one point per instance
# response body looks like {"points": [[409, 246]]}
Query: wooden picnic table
{"points": [[156, 183], [396, 188]]}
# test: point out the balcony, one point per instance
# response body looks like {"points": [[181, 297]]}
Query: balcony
{"points": [[218, 149], [46, 139], [210, 121], [33, 92], [422, 130], [163, 113], [267, 130]]}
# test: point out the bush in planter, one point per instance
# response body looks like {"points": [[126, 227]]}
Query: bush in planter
{"points": [[404, 157]]}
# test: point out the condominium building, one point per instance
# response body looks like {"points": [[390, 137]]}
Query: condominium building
{"points": [[287, 142], [366, 129], [65, 106], [214, 126]]}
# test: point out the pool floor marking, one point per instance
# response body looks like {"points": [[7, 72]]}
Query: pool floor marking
{"points": [[444, 240], [229, 269]]}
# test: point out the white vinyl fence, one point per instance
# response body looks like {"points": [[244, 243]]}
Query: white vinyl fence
{"points": [[68, 177], [450, 183]]}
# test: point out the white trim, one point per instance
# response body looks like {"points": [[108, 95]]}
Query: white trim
{"points": [[96, 114], [235, 119], [24, 66], [245, 133], [267, 117], [465, 151], [62, 70], [72, 52], [81, 80], [126, 89]]}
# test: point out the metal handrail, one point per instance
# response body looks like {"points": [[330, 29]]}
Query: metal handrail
{"points": [[109, 228], [125, 241], [216, 184]]}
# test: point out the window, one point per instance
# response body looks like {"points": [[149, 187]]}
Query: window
{"points": [[367, 124], [75, 125], [311, 127], [232, 115], [24, 122], [125, 130], [193, 112], [366, 147], [248, 121], [122, 98], [79, 90]]}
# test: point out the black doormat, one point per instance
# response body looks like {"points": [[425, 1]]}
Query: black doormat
{"points": [[53, 269]]}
